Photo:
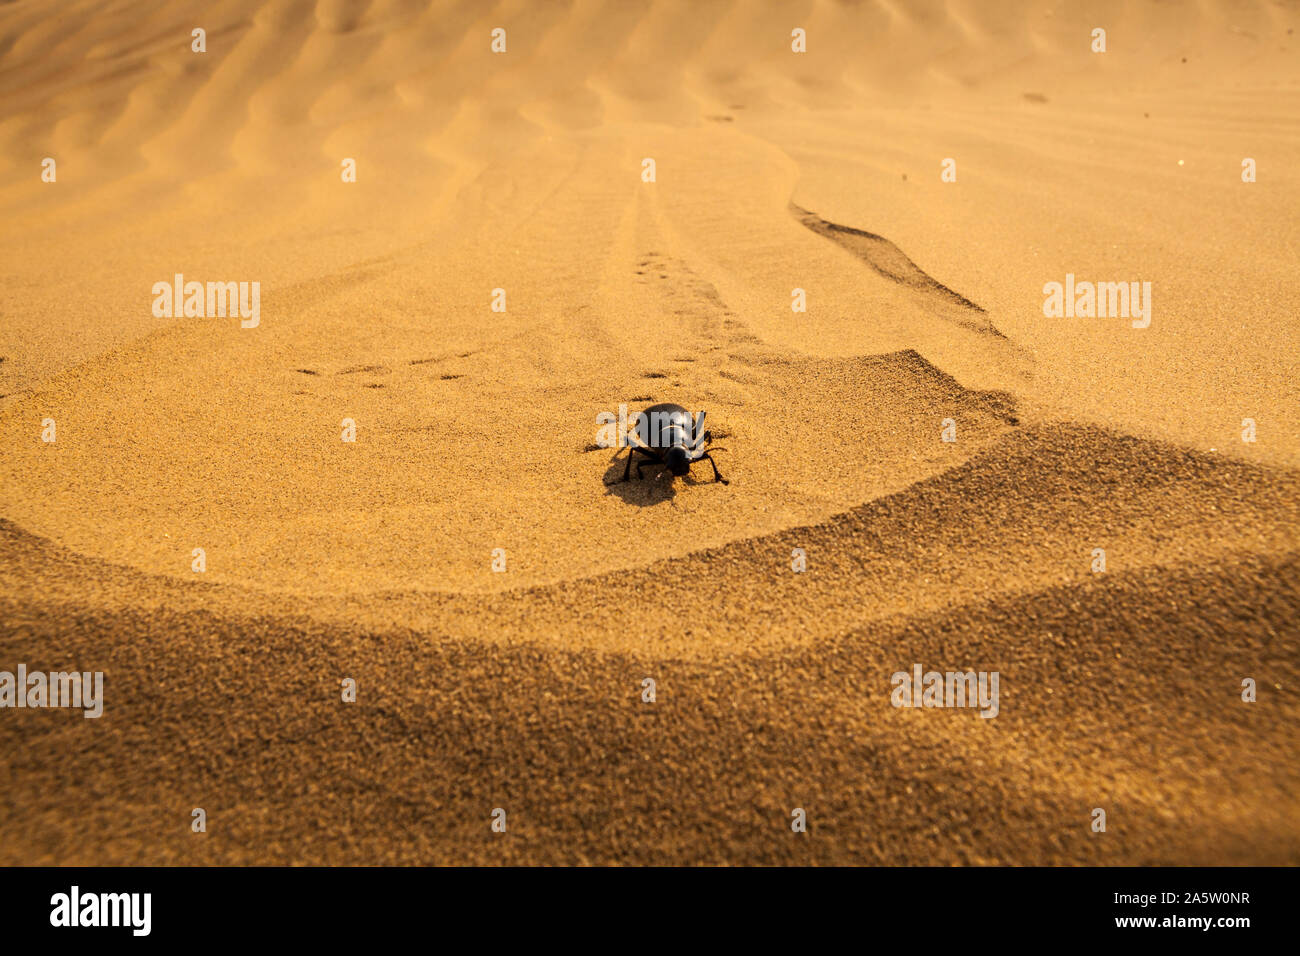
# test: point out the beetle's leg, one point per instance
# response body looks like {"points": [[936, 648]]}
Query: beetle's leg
{"points": [[717, 476], [648, 458], [626, 470], [646, 461], [699, 453]]}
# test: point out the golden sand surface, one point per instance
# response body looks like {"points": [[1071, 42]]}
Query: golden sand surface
{"points": [[475, 430]]}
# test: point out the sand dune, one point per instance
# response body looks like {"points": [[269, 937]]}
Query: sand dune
{"points": [[476, 430]]}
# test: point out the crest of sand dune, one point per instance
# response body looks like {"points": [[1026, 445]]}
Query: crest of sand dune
{"points": [[476, 429]]}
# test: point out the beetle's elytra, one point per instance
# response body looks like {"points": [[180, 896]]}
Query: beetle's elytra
{"points": [[665, 434]]}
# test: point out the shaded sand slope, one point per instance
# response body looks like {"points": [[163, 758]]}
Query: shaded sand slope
{"points": [[1119, 690]]}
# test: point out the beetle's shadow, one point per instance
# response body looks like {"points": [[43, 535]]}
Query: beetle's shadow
{"points": [[656, 487]]}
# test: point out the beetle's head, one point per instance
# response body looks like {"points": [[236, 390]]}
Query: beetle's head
{"points": [[678, 462]]}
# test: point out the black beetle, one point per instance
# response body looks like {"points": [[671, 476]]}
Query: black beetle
{"points": [[666, 435]]}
